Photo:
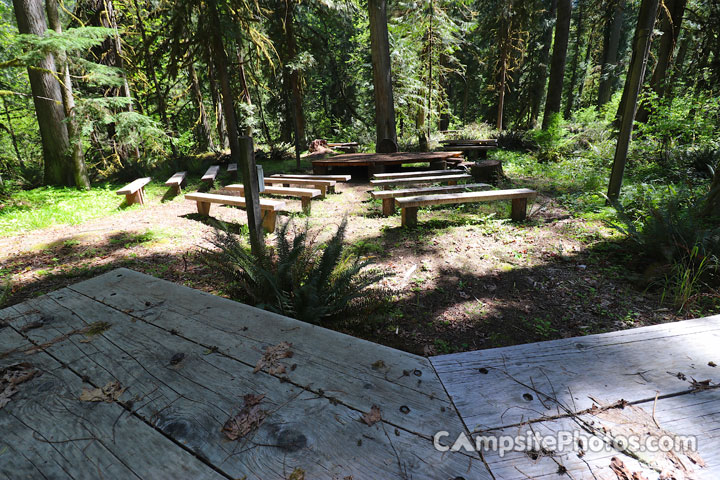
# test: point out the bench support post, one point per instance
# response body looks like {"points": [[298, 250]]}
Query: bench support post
{"points": [[305, 201], [388, 206], [203, 208], [323, 190], [409, 216], [137, 197], [269, 219], [518, 212], [438, 165]]}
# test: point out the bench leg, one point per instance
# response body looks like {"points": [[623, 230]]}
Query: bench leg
{"points": [[306, 204], [518, 212], [323, 190], [268, 223], [177, 188], [409, 216], [452, 182], [438, 165], [203, 208], [388, 207]]}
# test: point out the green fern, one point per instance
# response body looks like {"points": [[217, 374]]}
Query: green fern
{"points": [[297, 278]]}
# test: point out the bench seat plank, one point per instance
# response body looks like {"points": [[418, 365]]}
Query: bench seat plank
{"points": [[424, 173], [451, 179], [305, 194], [336, 178], [211, 173], [176, 181], [232, 167], [519, 197], [135, 191], [388, 196], [268, 206], [323, 185]]}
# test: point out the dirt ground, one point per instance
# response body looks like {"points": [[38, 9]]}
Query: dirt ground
{"points": [[466, 278]]}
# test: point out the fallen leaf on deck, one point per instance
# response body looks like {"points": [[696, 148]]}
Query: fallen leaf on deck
{"points": [[109, 393], [250, 417], [701, 385], [12, 376], [712, 364], [372, 417], [272, 356], [622, 472], [297, 474]]}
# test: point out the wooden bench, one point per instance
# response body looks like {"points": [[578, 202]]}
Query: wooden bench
{"points": [[268, 207], [176, 182], [424, 173], [135, 191], [448, 179], [388, 196], [347, 147], [305, 194], [323, 185], [519, 197], [211, 174], [335, 178], [232, 170]]}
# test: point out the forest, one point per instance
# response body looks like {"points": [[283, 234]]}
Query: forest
{"points": [[610, 109]]}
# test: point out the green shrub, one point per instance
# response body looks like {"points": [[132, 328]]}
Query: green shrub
{"points": [[298, 278]]}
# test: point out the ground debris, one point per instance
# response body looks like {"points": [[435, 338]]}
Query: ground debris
{"points": [[12, 376], [297, 474], [372, 417], [109, 393], [700, 385], [95, 328], [248, 419], [272, 356], [631, 421], [623, 472]]}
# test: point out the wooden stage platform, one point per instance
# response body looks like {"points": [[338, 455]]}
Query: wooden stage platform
{"points": [[128, 376], [377, 162]]}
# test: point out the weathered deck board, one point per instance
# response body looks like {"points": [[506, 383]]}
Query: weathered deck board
{"points": [[332, 362], [48, 433], [634, 364], [189, 400], [696, 414]]}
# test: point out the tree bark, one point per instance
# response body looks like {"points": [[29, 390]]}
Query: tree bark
{"points": [[202, 126], [557, 64], [579, 31], [672, 17], [611, 47], [636, 74], [47, 98], [382, 73], [77, 157], [538, 86], [217, 104], [240, 155], [504, 40]]}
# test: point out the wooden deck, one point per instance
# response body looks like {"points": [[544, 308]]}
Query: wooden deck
{"points": [[185, 360], [377, 162]]}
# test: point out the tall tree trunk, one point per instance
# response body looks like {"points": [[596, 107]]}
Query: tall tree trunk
{"points": [[77, 157], [217, 104], [150, 69], [11, 132], [202, 126], [633, 83], [382, 74], [245, 159], [611, 47], [672, 17], [579, 31], [557, 64], [47, 98], [504, 40], [538, 85], [298, 117]]}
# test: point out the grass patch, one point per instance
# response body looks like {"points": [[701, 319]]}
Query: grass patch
{"points": [[47, 206]]}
